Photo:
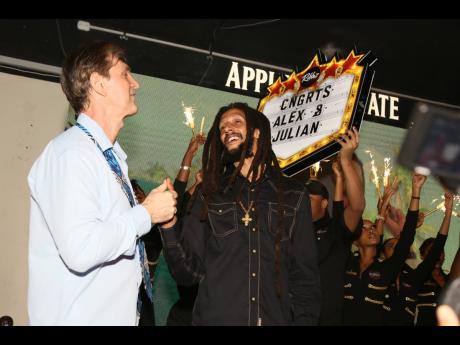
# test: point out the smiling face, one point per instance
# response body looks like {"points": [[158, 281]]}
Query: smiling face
{"points": [[232, 128]]}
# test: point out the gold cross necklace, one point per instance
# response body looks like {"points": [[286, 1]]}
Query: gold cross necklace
{"points": [[246, 219]]}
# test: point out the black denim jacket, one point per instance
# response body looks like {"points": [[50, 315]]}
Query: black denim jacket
{"points": [[235, 264]]}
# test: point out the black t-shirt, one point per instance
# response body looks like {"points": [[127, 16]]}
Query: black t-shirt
{"points": [[334, 241]]}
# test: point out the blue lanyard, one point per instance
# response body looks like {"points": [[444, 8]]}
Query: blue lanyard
{"points": [[114, 166]]}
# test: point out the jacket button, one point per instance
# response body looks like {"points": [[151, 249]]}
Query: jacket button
{"points": [[254, 251], [253, 274], [253, 299]]}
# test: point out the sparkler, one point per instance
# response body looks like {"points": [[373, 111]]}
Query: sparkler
{"points": [[314, 169], [386, 170], [441, 206], [202, 124], [374, 172], [189, 119]]}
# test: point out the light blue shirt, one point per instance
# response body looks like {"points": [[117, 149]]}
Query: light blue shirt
{"points": [[84, 268]]}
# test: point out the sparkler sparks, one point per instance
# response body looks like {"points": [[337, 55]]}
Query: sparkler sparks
{"points": [[386, 170], [189, 119], [314, 169], [374, 171], [441, 206]]}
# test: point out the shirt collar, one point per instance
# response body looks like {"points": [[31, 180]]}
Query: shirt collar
{"points": [[99, 135], [322, 222], [240, 179], [96, 131]]}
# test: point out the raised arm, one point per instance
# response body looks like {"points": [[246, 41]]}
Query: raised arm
{"points": [[384, 206], [194, 145], [393, 265], [353, 183]]}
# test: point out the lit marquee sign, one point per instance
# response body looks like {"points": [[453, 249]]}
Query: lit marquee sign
{"points": [[310, 109]]}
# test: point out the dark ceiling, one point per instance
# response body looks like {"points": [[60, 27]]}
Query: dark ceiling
{"points": [[415, 57]]}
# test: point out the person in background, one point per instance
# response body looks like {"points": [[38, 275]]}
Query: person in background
{"points": [[153, 247], [435, 281], [401, 297], [181, 312], [335, 234], [367, 277]]}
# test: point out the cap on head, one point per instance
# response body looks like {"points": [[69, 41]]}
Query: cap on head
{"points": [[317, 188]]}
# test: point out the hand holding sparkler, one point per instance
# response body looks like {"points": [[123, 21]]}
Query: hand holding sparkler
{"points": [[185, 168], [195, 142], [442, 205], [393, 187], [390, 190]]}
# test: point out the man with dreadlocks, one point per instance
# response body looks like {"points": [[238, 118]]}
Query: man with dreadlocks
{"points": [[245, 238]]}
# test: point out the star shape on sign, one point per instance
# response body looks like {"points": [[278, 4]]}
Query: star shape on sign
{"points": [[331, 68], [350, 61], [275, 88], [292, 83]]}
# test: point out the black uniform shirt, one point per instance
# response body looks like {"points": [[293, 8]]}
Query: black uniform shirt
{"points": [[334, 242], [364, 294], [400, 305], [427, 300]]}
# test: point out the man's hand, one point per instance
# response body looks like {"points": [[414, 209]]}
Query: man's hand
{"points": [[349, 143], [161, 202]]}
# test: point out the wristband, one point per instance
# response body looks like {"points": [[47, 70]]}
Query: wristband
{"points": [[184, 167]]}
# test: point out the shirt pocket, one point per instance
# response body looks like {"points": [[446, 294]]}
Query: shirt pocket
{"points": [[274, 217], [222, 218]]}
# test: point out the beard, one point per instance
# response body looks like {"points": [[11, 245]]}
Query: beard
{"points": [[234, 155]]}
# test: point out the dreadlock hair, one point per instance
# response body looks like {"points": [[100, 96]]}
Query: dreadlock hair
{"points": [[215, 167]]}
